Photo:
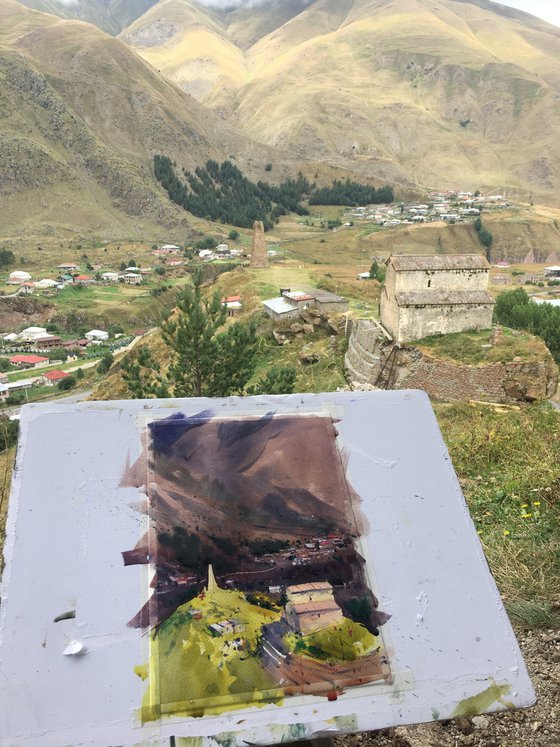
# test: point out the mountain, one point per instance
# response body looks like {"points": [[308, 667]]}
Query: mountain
{"points": [[109, 15], [441, 93], [81, 118]]}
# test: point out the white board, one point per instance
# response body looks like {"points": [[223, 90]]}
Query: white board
{"points": [[247, 570]]}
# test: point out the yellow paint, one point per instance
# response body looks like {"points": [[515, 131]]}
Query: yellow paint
{"points": [[483, 701], [141, 670], [192, 673]]}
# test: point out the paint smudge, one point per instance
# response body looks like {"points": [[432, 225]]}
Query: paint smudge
{"points": [[483, 701]]}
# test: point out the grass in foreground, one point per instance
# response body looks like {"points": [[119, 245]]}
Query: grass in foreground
{"points": [[476, 348], [508, 462], [6, 466]]}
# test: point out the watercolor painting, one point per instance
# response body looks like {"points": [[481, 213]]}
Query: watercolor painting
{"points": [[259, 590]]}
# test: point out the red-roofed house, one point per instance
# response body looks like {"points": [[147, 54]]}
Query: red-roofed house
{"points": [[51, 378], [84, 279], [28, 361], [233, 305]]}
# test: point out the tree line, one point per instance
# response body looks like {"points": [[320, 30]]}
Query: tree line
{"points": [[351, 194], [515, 309], [221, 192]]}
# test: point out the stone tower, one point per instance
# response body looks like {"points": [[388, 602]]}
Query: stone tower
{"points": [[259, 257]]}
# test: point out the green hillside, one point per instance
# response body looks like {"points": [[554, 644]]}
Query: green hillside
{"points": [[195, 673]]}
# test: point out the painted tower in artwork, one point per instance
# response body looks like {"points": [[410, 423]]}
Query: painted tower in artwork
{"points": [[212, 584], [259, 257]]}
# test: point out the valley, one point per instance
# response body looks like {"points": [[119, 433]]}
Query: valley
{"points": [[116, 117]]}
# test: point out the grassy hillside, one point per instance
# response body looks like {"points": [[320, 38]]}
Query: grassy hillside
{"points": [[109, 15], [438, 94], [83, 117]]}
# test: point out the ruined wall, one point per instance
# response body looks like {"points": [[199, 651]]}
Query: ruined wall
{"points": [[373, 360], [417, 322], [517, 381]]}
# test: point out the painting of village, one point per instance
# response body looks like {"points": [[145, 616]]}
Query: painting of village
{"points": [[259, 590]]}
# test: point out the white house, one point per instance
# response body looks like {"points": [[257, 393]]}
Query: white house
{"points": [[33, 333], [46, 283], [132, 278], [97, 335], [18, 277], [111, 277]]}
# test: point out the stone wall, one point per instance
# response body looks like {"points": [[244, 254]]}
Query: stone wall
{"points": [[517, 381], [372, 359], [446, 280], [417, 322]]}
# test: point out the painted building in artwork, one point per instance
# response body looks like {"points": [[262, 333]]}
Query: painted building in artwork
{"points": [[311, 607], [435, 294]]}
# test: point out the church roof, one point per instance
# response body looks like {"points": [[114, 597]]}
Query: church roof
{"points": [[404, 263], [443, 298]]}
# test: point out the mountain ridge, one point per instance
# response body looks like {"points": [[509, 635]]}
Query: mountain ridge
{"points": [[405, 91], [83, 117]]}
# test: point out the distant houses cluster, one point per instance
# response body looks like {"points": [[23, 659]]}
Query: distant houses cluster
{"points": [[451, 207]]}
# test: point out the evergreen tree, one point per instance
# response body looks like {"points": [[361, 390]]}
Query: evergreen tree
{"points": [[279, 380], [204, 359]]}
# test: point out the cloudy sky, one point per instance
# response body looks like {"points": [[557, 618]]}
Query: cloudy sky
{"points": [[547, 9]]}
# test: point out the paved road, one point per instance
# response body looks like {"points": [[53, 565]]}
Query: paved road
{"points": [[66, 399]]}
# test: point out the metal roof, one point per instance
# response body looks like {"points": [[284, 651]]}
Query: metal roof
{"points": [[443, 298], [279, 305], [439, 262]]}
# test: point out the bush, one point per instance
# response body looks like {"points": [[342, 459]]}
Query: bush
{"points": [[9, 432], [16, 398], [68, 383], [105, 363], [233, 235]]}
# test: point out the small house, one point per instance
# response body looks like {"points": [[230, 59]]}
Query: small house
{"points": [[280, 309], [28, 361], [18, 277], [132, 278], [30, 334], [84, 280], [48, 341], [27, 288], [97, 335], [46, 283], [110, 277], [68, 267], [52, 378], [233, 305]]}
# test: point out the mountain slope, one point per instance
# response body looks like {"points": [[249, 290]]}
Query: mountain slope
{"points": [[442, 92], [109, 15], [82, 118]]}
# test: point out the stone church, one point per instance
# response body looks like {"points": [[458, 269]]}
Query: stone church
{"points": [[435, 294]]}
